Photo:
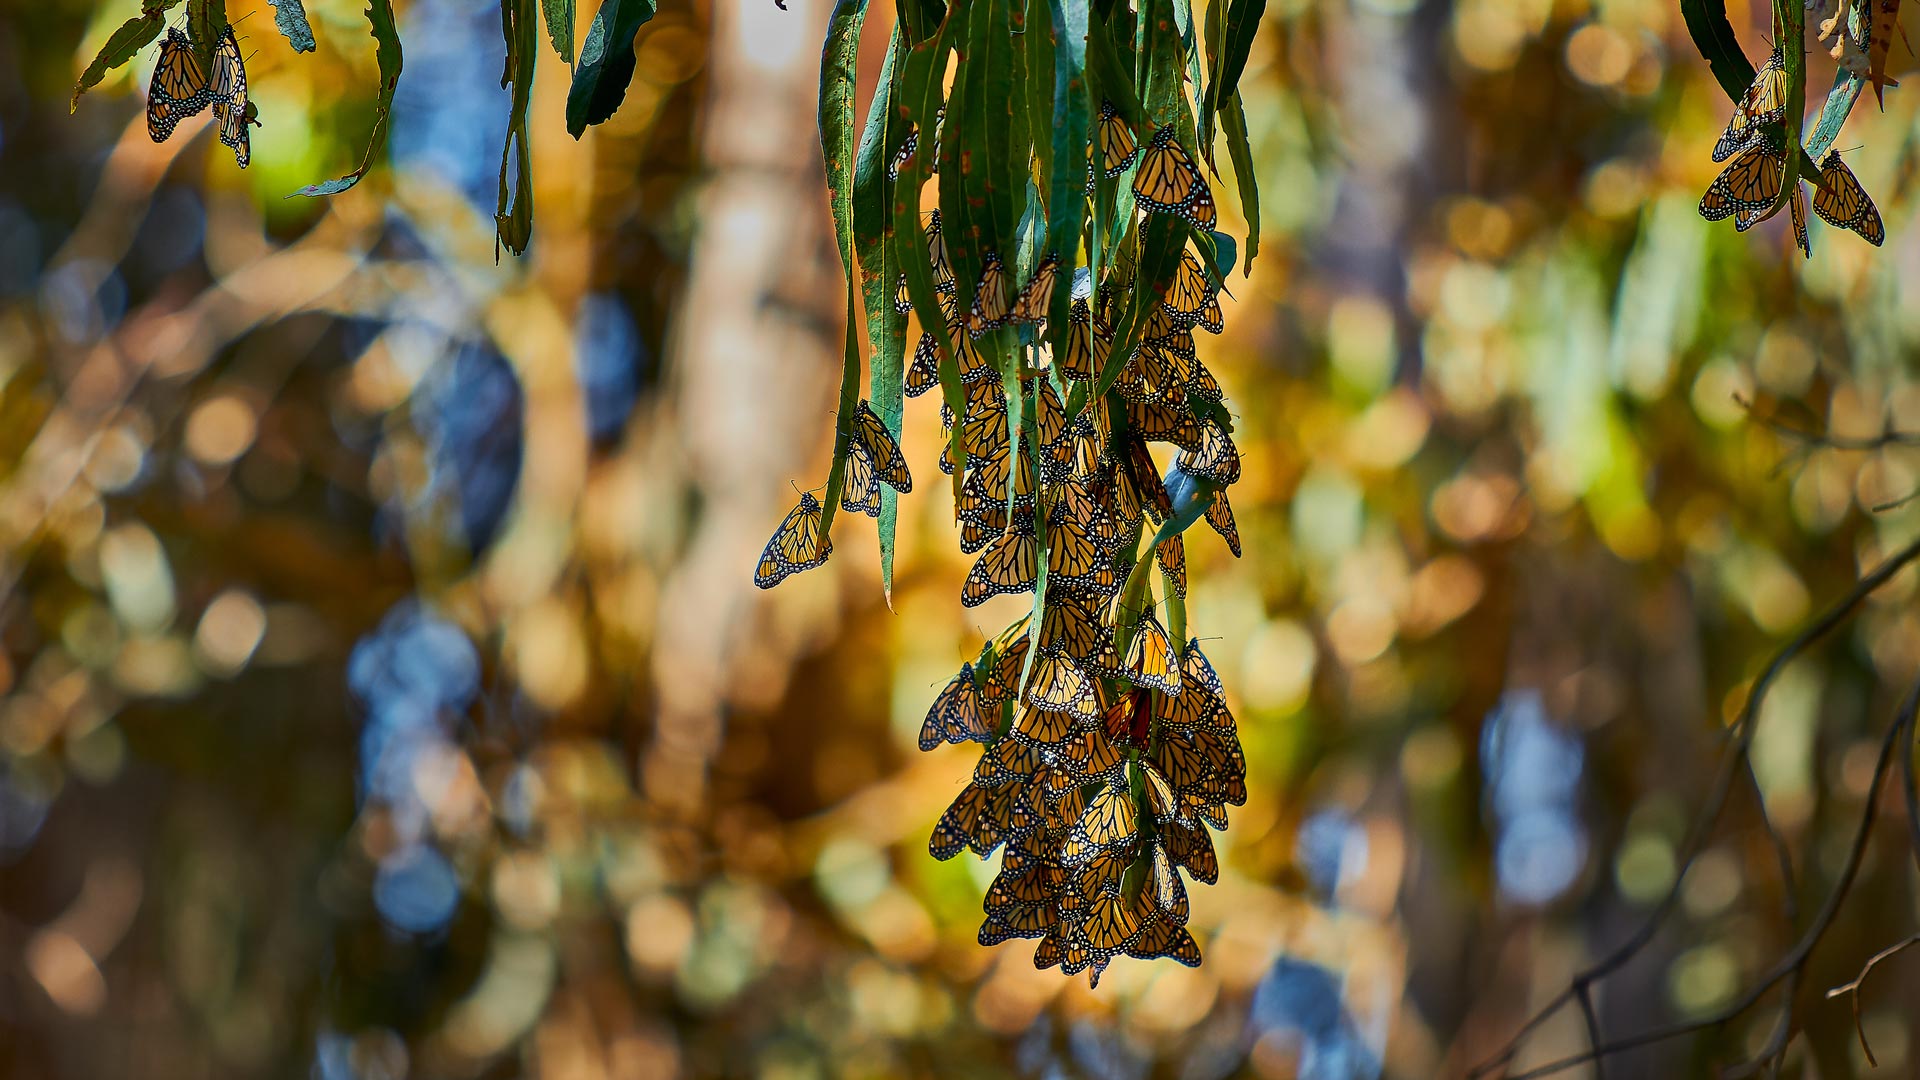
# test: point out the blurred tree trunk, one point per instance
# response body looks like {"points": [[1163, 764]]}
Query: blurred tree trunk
{"points": [[751, 383]]}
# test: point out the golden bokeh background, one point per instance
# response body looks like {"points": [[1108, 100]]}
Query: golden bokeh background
{"points": [[386, 695]]}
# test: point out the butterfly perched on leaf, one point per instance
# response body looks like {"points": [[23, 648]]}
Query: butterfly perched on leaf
{"points": [[1037, 296], [990, 304], [1750, 183], [873, 458], [179, 88], [957, 714], [1169, 182], [1763, 105], [1114, 141], [230, 104], [796, 545], [1842, 203]]}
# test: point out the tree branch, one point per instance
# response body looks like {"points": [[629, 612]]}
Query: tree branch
{"points": [[1732, 763]]}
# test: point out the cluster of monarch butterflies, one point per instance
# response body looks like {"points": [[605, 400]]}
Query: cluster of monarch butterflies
{"points": [[1748, 189], [181, 87], [1108, 749]]}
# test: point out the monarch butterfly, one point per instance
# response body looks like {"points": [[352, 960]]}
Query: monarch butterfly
{"points": [[904, 156], [1037, 296], [1150, 657], [942, 266], [1170, 183], [1201, 383], [1034, 883], [1164, 938], [1091, 757], [1161, 800], [796, 545], [1016, 921], [979, 817], [1843, 203], [1190, 291], [1179, 757], [956, 715], [1172, 556], [1072, 626], [1215, 458], [1049, 412], [179, 88], [1751, 182], [1764, 104], [1140, 469], [984, 492], [1009, 762], [1220, 517], [1211, 812], [1192, 849], [1169, 891], [229, 89], [1046, 728], [990, 307], [1107, 825], [1211, 318], [1128, 720], [1008, 565], [1113, 925], [1157, 422], [1089, 340], [1192, 707], [873, 457], [1117, 145], [1057, 686], [1198, 671]]}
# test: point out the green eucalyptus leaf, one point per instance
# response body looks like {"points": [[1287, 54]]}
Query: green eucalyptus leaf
{"points": [[291, 19], [606, 64]]}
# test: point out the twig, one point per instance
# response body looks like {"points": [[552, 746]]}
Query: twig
{"points": [[1889, 436], [1853, 988], [1701, 830], [1790, 966]]}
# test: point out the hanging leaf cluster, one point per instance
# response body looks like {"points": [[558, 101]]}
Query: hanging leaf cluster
{"points": [[600, 79], [1031, 186]]}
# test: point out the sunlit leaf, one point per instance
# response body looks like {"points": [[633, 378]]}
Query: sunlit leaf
{"points": [[124, 44]]}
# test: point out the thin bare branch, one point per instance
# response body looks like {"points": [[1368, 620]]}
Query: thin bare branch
{"points": [[1853, 988], [1789, 967]]}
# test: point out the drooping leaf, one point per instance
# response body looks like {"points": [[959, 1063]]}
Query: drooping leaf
{"points": [[1886, 23], [1233, 124], [291, 19], [919, 100], [386, 38], [838, 67], [879, 271], [513, 223], [1240, 22], [123, 45], [606, 65], [559, 15]]}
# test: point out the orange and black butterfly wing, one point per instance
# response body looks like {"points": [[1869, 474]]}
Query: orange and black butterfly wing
{"points": [[796, 545], [179, 88]]}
